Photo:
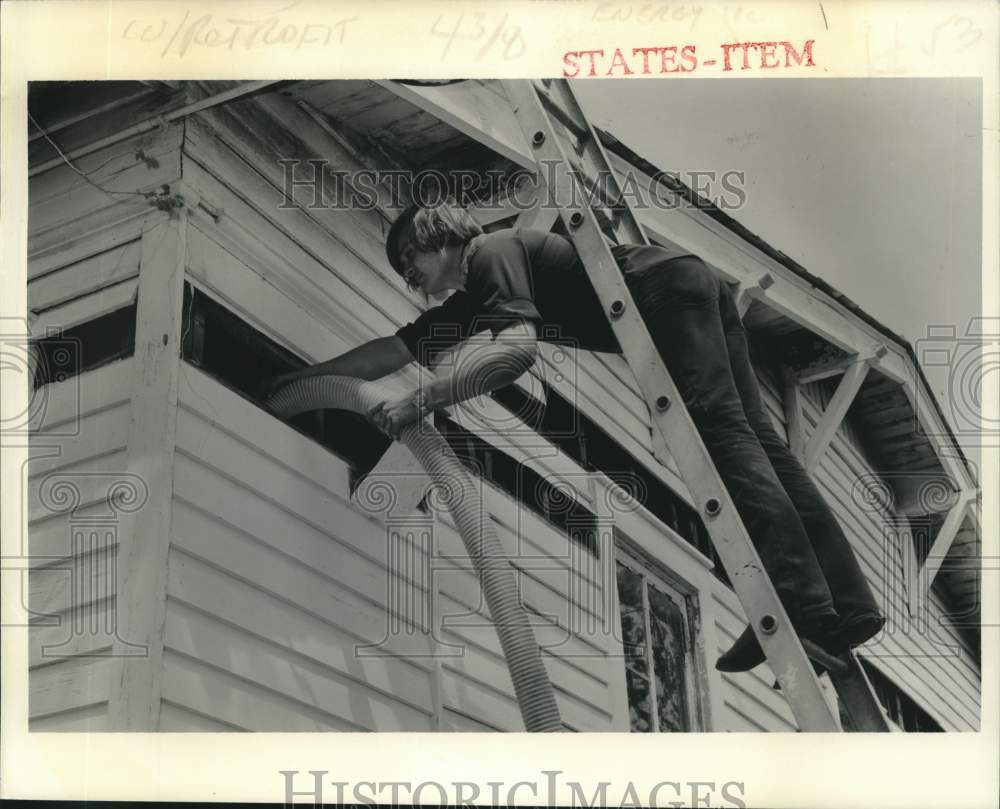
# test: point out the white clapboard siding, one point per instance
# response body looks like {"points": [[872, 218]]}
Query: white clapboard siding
{"points": [[93, 233], [84, 199], [288, 561], [200, 636], [84, 277], [322, 245], [243, 287], [100, 120], [946, 685], [89, 307], [81, 238], [749, 698], [178, 719], [262, 525], [77, 446], [87, 630], [243, 134], [90, 719], [106, 165], [58, 692], [234, 700]]}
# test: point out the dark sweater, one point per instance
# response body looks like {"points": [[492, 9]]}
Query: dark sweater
{"points": [[527, 275]]}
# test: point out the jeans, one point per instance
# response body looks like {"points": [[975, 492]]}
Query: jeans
{"points": [[695, 324]]}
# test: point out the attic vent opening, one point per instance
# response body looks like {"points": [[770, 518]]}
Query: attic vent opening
{"points": [[85, 347], [242, 358], [595, 449]]}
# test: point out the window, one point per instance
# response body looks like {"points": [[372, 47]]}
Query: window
{"points": [[523, 484], [901, 708], [656, 638], [594, 449]]}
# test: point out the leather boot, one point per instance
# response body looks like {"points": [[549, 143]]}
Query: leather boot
{"points": [[746, 652]]}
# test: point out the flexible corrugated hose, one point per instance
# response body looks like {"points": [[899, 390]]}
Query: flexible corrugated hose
{"points": [[534, 692]]}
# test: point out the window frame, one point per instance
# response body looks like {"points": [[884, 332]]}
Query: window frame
{"points": [[685, 597]]}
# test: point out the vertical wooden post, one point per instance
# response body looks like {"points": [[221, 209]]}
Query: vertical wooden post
{"points": [[136, 679], [792, 400]]}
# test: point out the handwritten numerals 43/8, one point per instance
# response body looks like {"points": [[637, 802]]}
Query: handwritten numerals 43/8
{"points": [[502, 37]]}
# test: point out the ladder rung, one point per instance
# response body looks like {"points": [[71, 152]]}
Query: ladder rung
{"points": [[580, 130]]}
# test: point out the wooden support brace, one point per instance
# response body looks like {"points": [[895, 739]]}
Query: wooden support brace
{"points": [[835, 412], [814, 373], [946, 536]]}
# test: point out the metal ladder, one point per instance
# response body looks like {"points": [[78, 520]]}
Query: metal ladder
{"points": [[561, 137]]}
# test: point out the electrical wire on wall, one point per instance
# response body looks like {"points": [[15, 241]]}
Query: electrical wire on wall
{"points": [[85, 175]]}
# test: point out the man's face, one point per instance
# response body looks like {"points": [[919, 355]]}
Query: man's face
{"points": [[424, 270]]}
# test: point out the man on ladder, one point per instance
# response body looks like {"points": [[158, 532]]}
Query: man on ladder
{"points": [[687, 340], [513, 282]]}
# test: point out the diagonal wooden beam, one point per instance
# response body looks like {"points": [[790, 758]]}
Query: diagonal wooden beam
{"points": [[814, 373], [946, 536], [848, 388]]}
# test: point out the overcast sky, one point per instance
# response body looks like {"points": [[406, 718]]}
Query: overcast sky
{"points": [[872, 184]]}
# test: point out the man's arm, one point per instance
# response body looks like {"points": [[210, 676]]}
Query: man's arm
{"points": [[371, 360], [368, 361], [486, 367]]}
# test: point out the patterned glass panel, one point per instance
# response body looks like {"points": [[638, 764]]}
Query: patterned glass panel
{"points": [[667, 627], [633, 624], [638, 702]]}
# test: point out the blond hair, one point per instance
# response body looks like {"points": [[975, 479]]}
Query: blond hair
{"points": [[428, 229]]}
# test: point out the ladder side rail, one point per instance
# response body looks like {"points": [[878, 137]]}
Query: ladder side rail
{"points": [[752, 585], [627, 228]]}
